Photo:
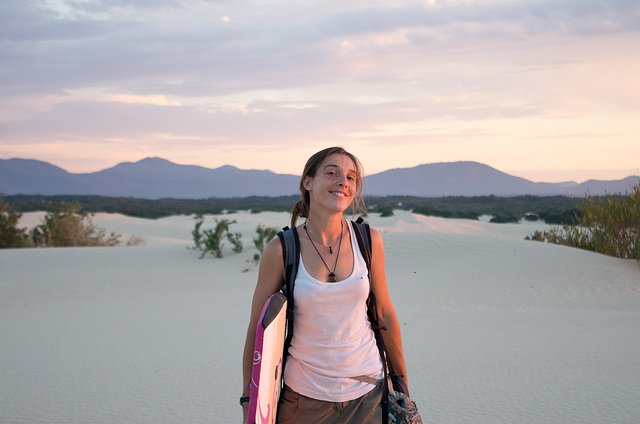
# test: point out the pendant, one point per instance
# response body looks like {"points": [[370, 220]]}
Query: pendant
{"points": [[332, 278], [330, 249]]}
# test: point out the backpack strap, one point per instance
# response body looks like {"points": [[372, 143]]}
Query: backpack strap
{"points": [[291, 257], [363, 236]]}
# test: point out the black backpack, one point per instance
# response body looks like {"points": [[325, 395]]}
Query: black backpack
{"points": [[291, 256]]}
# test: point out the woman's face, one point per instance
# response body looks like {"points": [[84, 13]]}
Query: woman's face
{"points": [[335, 183]]}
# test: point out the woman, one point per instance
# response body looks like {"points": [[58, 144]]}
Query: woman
{"points": [[333, 345]]}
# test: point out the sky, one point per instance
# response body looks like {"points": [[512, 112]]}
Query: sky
{"points": [[548, 90]]}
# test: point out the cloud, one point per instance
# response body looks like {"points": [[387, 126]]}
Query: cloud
{"points": [[46, 51], [317, 72], [487, 19], [255, 123], [152, 100], [120, 7], [28, 22]]}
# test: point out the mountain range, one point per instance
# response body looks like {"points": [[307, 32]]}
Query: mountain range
{"points": [[155, 178]]}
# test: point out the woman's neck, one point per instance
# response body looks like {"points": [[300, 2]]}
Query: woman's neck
{"points": [[326, 229]]}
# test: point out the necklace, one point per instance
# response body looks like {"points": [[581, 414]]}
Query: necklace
{"points": [[331, 251], [332, 274]]}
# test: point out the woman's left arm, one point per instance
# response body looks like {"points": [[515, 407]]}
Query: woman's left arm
{"points": [[386, 312]]}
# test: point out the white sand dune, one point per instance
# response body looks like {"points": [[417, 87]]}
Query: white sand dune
{"points": [[496, 329]]}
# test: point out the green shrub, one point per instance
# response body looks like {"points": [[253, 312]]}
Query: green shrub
{"points": [[63, 226], [197, 235], [66, 226], [265, 235], [428, 211], [10, 235], [234, 239], [560, 217], [210, 240], [505, 219], [212, 243], [386, 211], [608, 224]]}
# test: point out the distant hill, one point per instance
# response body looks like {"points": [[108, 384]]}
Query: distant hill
{"points": [[476, 179], [151, 178], [155, 178]]}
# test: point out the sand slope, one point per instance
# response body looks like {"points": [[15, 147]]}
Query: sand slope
{"points": [[497, 329]]}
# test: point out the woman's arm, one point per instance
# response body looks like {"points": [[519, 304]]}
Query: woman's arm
{"points": [[270, 280], [386, 312]]}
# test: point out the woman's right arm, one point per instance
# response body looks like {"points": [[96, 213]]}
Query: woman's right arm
{"points": [[270, 280]]}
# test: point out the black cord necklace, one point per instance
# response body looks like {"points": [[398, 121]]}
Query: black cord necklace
{"points": [[332, 274]]}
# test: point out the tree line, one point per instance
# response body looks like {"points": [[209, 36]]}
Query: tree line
{"points": [[550, 209], [607, 224]]}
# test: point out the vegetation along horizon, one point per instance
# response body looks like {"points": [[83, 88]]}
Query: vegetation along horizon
{"points": [[608, 224]]}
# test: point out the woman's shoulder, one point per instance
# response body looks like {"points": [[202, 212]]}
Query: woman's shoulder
{"points": [[273, 249], [375, 234], [271, 273], [376, 238]]}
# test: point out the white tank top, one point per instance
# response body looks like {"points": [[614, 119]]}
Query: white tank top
{"points": [[332, 338]]}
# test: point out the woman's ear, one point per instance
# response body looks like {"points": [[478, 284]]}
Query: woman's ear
{"points": [[306, 183]]}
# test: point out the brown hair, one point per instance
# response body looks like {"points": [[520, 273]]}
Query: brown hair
{"points": [[301, 208]]}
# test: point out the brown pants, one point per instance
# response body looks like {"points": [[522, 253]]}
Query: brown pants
{"points": [[296, 409]]}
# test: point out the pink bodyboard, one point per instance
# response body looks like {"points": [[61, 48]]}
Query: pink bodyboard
{"points": [[266, 374]]}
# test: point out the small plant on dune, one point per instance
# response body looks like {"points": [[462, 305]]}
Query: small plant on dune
{"points": [[197, 235], [10, 235], [210, 240], [265, 235], [135, 241], [234, 239], [609, 224]]}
